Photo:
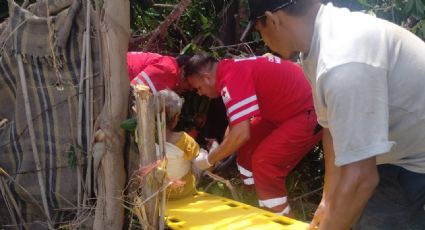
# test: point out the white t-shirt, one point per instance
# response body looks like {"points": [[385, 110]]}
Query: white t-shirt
{"points": [[368, 78]]}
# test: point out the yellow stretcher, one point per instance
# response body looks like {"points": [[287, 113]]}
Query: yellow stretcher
{"points": [[204, 211]]}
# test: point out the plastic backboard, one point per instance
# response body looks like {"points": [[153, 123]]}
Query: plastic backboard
{"points": [[204, 211]]}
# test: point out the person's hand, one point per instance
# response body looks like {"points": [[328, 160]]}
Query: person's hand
{"points": [[318, 215], [201, 161], [211, 144]]}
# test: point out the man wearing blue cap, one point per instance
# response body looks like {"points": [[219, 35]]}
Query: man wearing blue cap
{"points": [[368, 79]]}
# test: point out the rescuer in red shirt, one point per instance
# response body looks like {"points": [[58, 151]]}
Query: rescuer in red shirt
{"points": [[271, 115], [156, 71]]}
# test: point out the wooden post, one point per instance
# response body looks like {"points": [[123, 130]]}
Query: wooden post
{"points": [[162, 134], [145, 106], [114, 36]]}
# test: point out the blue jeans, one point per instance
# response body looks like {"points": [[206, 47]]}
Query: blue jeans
{"points": [[397, 203]]}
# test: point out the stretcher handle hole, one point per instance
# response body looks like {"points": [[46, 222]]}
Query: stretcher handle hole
{"points": [[232, 205], [174, 220], [282, 222]]}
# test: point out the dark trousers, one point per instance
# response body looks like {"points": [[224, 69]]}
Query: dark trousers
{"points": [[397, 203]]}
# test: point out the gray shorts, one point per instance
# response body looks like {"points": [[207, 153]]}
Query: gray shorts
{"points": [[397, 203]]}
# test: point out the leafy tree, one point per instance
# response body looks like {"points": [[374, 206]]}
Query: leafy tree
{"points": [[201, 27], [407, 13], [195, 28]]}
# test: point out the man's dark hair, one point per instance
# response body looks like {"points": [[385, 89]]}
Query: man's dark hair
{"points": [[299, 8], [182, 60], [197, 63]]}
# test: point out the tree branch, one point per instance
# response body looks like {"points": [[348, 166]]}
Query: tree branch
{"points": [[162, 28]]}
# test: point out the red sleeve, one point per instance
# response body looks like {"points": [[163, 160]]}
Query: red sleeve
{"points": [[135, 63], [162, 74], [238, 91]]}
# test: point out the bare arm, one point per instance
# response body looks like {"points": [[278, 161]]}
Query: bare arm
{"points": [[236, 137], [332, 171], [356, 183], [355, 98], [346, 190]]}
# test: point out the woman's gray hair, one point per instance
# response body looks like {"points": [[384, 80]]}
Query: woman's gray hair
{"points": [[173, 104]]}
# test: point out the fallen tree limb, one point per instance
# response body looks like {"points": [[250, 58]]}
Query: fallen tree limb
{"points": [[162, 28]]}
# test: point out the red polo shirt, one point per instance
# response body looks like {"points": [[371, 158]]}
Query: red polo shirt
{"points": [[267, 86], [154, 70]]}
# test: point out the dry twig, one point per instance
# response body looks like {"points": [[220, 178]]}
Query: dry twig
{"points": [[224, 181]]}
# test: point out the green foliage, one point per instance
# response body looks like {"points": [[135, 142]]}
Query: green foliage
{"points": [[419, 29], [408, 13], [129, 124], [193, 30], [198, 29]]}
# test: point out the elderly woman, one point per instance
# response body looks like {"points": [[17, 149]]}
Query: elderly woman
{"points": [[180, 148]]}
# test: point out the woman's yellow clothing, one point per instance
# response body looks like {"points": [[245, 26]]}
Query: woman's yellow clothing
{"points": [[190, 150]]}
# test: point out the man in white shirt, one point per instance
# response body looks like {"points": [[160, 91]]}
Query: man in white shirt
{"points": [[368, 79]]}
